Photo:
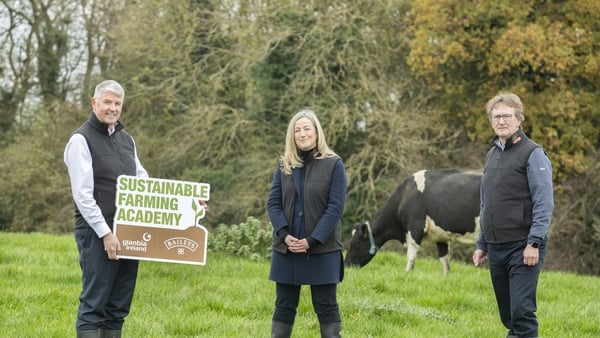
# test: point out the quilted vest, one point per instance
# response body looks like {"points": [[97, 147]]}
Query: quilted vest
{"points": [[112, 155]]}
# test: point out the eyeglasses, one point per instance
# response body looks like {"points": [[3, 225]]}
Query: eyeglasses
{"points": [[505, 117]]}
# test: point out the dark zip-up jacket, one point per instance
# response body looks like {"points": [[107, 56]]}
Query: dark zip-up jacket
{"points": [[507, 211]]}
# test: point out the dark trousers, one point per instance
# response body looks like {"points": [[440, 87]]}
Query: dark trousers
{"points": [[324, 300], [107, 286], [515, 286]]}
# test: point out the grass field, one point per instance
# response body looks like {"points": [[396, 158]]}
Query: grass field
{"points": [[232, 297]]}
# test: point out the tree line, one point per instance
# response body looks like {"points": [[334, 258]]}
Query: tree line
{"points": [[210, 86]]}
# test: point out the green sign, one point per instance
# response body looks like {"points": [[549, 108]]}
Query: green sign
{"points": [[159, 219]]}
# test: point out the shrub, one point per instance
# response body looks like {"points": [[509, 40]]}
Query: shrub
{"points": [[250, 239]]}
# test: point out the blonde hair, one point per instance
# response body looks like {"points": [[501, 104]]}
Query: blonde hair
{"points": [[290, 158], [509, 99]]}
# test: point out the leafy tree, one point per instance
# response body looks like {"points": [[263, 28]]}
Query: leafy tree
{"points": [[235, 76], [40, 87], [36, 195], [542, 50]]}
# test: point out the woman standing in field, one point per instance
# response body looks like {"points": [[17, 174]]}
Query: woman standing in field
{"points": [[305, 205]]}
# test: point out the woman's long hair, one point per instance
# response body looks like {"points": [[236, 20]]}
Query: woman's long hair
{"points": [[290, 158]]}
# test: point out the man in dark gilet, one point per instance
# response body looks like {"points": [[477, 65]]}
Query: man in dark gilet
{"points": [[516, 210], [96, 154]]}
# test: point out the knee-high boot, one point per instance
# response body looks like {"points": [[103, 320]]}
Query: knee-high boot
{"points": [[87, 334], [281, 330], [103, 333], [331, 330]]}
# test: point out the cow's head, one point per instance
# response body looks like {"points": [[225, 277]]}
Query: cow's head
{"points": [[362, 245]]}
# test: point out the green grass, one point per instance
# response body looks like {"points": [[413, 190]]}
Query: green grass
{"points": [[232, 297]]}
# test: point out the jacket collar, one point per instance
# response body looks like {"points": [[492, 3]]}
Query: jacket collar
{"points": [[102, 127], [515, 139]]}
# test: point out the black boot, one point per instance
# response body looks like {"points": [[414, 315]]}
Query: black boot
{"points": [[331, 330], [281, 330], [103, 333], [87, 334]]}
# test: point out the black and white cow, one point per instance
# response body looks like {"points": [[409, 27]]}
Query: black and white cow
{"points": [[436, 205]]}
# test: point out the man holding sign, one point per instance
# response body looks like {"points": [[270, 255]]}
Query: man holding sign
{"points": [[96, 154]]}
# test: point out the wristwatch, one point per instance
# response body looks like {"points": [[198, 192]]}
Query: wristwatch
{"points": [[534, 245]]}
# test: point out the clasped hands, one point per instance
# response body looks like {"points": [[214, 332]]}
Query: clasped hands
{"points": [[296, 245]]}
